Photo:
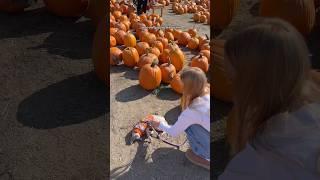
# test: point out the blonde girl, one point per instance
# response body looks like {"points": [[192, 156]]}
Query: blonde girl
{"points": [[276, 102], [195, 117]]}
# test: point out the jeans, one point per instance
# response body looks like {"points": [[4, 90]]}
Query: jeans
{"points": [[199, 140]]}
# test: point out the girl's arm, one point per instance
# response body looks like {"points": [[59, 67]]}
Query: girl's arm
{"points": [[186, 119]]}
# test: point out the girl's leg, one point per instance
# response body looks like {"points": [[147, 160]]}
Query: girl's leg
{"points": [[199, 140]]}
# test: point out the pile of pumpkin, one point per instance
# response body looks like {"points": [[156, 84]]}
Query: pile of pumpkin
{"points": [[157, 53], [164, 2], [200, 9]]}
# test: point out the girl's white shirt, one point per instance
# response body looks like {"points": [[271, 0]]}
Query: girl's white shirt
{"points": [[198, 112]]}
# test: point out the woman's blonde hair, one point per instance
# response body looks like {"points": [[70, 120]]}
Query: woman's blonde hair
{"points": [[271, 67], [194, 85]]}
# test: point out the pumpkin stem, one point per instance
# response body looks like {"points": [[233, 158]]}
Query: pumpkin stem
{"points": [[207, 36], [154, 62]]}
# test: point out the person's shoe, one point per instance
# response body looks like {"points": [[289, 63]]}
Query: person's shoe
{"points": [[197, 160]]}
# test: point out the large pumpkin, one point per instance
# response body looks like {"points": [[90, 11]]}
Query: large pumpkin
{"points": [[99, 52], [177, 58], [147, 58], [176, 84], [130, 57], [201, 62], [300, 13], [115, 56], [142, 47], [223, 12], [150, 76], [11, 6], [222, 85], [129, 40], [168, 71], [68, 8], [184, 38]]}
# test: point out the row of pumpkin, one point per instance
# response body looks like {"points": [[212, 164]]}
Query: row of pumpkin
{"points": [[136, 42]]}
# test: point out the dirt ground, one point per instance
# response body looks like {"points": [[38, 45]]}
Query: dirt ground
{"points": [[52, 107], [129, 103]]}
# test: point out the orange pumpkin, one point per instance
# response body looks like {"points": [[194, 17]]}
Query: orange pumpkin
{"points": [[150, 76], [184, 38], [176, 34], [196, 17], [115, 56], [206, 53], [164, 56], [288, 11], [120, 26], [113, 41], [70, 8], [193, 32], [113, 31], [155, 51], [168, 71], [158, 44], [177, 58], [164, 41], [120, 37], [169, 36], [201, 62], [193, 43], [117, 14], [176, 84], [147, 58], [130, 56], [142, 47], [129, 40]]}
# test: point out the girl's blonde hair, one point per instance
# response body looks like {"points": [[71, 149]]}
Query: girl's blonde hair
{"points": [[271, 67], [194, 85]]}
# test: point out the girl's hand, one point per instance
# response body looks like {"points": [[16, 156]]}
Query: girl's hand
{"points": [[155, 123]]}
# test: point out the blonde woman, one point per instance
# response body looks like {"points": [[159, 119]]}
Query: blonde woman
{"points": [[276, 102], [195, 117]]}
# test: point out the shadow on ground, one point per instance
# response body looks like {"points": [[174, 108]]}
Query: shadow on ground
{"points": [[172, 115], [168, 162], [71, 101], [68, 37], [131, 93]]}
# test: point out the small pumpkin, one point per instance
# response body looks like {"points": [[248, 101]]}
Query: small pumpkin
{"points": [[206, 53], [168, 71], [120, 26], [177, 84], [130, 56], [129, 40], [142, 47], [120, 37], [193, 43], [176, 34], [147, 58], [158, 44], [164, 41], [193, 32], [201, 62], [169, 36], [115, 56], [177, 58], [184, 38], [113, 31], [155, 51], [150, 76], [113, 41]]}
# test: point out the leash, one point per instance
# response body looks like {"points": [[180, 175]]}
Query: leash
{"points": [[158, 136]]}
